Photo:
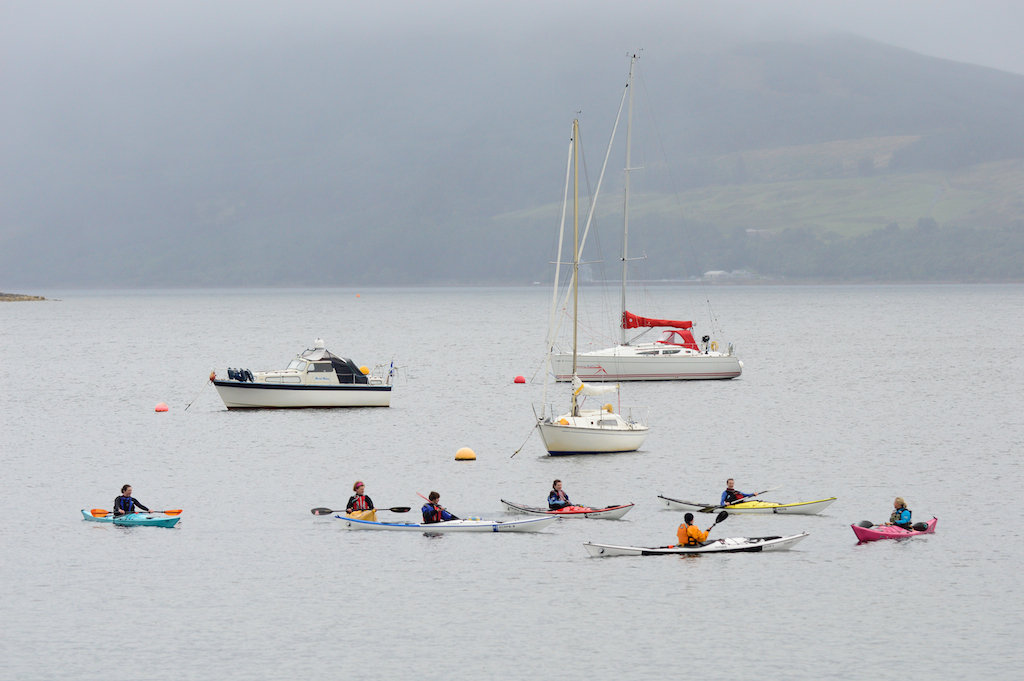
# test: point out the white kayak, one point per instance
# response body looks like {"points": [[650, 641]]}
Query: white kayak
{"points": [[461, 525], [752, 506], [727, 545], [605, 512]]}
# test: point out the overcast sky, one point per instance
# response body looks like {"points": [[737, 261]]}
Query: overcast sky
{"points": [[984, 32]]}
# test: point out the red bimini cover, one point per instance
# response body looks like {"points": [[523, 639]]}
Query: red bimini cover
{"points": [[632, 321]]}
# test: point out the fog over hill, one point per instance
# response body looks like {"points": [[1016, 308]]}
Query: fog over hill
{"points": [[330, 156]]}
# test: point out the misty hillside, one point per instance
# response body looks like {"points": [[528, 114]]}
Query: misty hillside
{"points": [[315, 162]]}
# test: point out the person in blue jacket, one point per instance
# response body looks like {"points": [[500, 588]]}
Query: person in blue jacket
{"points": [[557, 498], [434, 512], [901, 516], [732, 495], [126, 503]]}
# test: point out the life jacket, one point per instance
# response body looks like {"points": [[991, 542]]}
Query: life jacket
{"points": [[124, 505], [693, 537], [431, 514], [732, 495], [896, 516], [360, 503]]}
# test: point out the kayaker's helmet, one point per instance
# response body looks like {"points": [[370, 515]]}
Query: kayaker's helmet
{"points": [[688, 518]]}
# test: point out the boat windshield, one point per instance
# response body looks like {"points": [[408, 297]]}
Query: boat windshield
{"points": [[298, 364]]}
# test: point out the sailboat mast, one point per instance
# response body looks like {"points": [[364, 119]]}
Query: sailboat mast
{"points": [[625, 206], [575, 245]]}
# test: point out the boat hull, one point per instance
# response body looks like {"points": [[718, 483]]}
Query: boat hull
{"points": [[131, 519], [528, 525], [890, 531], [248, 395], [606, 513], [728, 545], [622, 364], [795, 508]]}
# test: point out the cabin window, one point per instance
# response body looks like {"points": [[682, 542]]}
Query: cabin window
{"points": [[670, 352], [321, 366], [647, 352], [297, 364], [607, 423]]}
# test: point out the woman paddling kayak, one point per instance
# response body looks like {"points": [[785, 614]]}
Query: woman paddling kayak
{"points": [[359, 501], [557, 498], [901, 516], [126, 503]]}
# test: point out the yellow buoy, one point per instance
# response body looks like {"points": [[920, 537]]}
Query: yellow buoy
{"points": [[609, 408], [465, 454], [364, 370]]}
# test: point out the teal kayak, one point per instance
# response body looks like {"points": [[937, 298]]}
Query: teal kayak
{"points": [[134, 519]]}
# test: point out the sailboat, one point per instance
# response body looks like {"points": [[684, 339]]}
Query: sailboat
{"points": [[676, 355], [584, 431]]}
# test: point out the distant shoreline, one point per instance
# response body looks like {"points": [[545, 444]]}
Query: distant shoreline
{"points": [[14, 297]]}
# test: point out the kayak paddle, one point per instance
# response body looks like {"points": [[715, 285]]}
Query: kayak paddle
{"points": [[326, 511], [100, 512], [721, 516], [919, 527]]}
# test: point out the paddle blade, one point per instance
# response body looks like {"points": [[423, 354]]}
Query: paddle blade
{"points": [[865, 523], [721, 516], [920, 527], [321, 511], [99, 512], [400, 509], [172, 511]]}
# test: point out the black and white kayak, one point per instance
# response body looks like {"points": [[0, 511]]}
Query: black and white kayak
{"points": [[605, 512], [460, 525], [727, 545]]}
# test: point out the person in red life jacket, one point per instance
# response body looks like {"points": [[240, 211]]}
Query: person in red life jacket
{"points": [[689, 534], [434, 512], [359, 501], [557, 498], [731, 495], [126, 503]]}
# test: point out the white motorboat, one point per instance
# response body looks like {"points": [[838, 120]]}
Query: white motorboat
{"points": [[315, 378], [674, 356], [584, 431]]}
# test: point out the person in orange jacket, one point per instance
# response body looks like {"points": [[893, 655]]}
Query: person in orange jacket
{"points": [[689, 534]]}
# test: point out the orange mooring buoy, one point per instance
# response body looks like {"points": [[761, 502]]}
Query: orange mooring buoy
{"points": [[161, 407]]}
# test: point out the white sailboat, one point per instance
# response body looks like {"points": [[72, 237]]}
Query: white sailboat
{"points": [[584, 431], [674, 356]]}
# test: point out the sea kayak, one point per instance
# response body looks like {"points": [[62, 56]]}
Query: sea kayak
{"points": [[528, 525], [727, 545], [876, 532], [606, 512], [153, 519], [795, 508]]}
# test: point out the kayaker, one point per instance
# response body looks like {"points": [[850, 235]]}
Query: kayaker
{"points": [[689, 534], [359, 501], [434, 512], [732, 495], [557, 498], [901, 516], [126, 503]]}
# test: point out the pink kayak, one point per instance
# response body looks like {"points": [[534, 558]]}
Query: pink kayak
{"points": [[874, 532]]}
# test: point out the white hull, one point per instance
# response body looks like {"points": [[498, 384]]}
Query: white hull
{"points": [[528, 525], [609, 513], [728, 545], [237, 395], [593, 432], [626, 363], [796, 508]]}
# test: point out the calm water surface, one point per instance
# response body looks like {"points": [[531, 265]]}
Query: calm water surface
{"points": [[863, 393]]}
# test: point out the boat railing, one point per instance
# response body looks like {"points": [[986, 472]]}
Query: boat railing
{"points": [[549, 412]]}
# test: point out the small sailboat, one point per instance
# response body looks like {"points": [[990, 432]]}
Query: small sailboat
{"points": [[584, 431], [676, 355]]}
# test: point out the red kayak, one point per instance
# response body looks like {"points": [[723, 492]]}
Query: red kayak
{"points": [[865, 531]]}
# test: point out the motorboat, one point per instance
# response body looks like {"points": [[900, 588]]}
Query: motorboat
{"points": [[315, 378]]}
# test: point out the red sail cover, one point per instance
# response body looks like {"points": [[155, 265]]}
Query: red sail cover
{"points": [[631, 321]]}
